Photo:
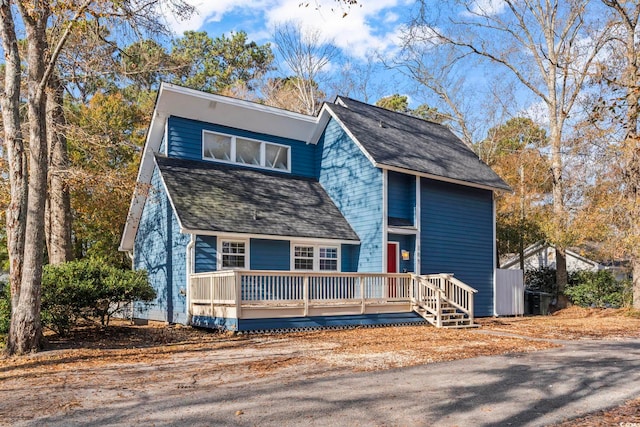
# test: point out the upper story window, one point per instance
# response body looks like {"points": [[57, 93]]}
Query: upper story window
{"points": [[234, 149]]}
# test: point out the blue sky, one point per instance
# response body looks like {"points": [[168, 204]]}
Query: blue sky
{"points": [[372, 25]]}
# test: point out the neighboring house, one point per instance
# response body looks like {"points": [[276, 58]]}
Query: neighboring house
{"points": [[249, 217], [543, 255]]}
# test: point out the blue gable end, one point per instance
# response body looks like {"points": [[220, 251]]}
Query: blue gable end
{"points": [[185, 142], [355, 186], [161, 250], [457, 237]]}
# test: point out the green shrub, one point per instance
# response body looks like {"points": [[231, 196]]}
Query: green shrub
{"points": [[5, 308], [541, 280], [596, 289], [89, 288]]}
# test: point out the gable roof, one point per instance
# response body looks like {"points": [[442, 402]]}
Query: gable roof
{"points": [[540, 246], [214, 197], [405, 142]]}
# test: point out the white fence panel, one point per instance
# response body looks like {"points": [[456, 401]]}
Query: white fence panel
{"points": [[509, 292]]}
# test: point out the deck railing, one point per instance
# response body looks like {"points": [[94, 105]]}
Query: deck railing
{"points": [[239, 288], [286, 288]]}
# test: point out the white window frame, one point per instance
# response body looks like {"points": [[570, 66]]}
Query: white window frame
{"points": [[232, 154], [316, 256], [220, 254]]}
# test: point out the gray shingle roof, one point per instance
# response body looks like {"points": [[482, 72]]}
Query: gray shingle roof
{"points": [[403, 141], [216, 197]]}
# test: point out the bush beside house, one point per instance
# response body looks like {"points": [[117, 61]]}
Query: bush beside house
{"points": [[585, 288]]}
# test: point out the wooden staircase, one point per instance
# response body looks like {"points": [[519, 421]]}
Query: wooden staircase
{"points": [[444, 301]]}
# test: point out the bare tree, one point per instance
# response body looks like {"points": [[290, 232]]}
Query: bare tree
{"points": [[307, 56], [620, 74], [548, 47]]}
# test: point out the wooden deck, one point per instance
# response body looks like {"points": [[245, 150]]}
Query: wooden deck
{"points": [[242, 295]]}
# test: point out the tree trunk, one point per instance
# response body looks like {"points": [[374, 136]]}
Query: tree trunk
{"points": [[25, 329], [58, 212], [14, 146], [559, 215]]}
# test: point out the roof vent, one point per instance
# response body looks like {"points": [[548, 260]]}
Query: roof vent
{"points": [[381, 124]]}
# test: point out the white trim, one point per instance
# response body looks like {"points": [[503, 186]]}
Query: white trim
{"points": [[166, 138], [394, 242], [441, 178], [418, 222], [403, 231], [225, 235], [316, 255], [247, 251], [190, 259], [493, 257], [170, 87], [385, 218]]}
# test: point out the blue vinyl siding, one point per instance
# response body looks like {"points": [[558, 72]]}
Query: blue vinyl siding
{"points": [[161, 250], [355, 186], [349, 255], [270, 254], [407, 243], [457, 237], [206, 252], [185, 142], [401, 196]]}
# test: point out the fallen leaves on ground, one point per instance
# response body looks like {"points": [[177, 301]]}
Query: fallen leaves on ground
{"points": [[627, 415], [571, 323]]}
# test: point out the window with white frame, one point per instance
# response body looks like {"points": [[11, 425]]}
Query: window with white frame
{"points": [[308, 257], [251, 152], [328, 258], [303, 257], [233, 254]]}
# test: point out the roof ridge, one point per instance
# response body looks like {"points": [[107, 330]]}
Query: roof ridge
{"points": [[392, 111]]}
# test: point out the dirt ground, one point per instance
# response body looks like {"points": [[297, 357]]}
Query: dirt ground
{"points": [[89, 366]]}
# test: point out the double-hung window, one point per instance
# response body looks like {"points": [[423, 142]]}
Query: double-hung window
{"points": [[251, 152], [233, 254], [308, 257]]}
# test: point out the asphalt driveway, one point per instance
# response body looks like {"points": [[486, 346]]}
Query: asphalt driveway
{"points": [[529, 389]]}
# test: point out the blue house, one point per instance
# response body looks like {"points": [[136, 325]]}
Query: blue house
{"points": [[249, 217]]}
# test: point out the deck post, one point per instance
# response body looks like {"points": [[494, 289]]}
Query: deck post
{"points": [[237, 276], [439, 309], [362, 300], [211, 296], [470, 307], [305, 294]]}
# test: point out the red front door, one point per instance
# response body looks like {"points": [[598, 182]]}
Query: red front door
{"points": [[393, 249], [392, 257]]}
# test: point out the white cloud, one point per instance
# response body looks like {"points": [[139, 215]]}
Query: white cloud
{"points": [[359, 32], [210, 11], [367, 26], [488, 7]]}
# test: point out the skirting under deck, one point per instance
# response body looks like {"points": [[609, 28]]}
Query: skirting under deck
{"points": [[315, 322]]}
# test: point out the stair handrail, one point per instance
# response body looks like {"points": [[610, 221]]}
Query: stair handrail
{"points": [[429, 297], [458, 294]]}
